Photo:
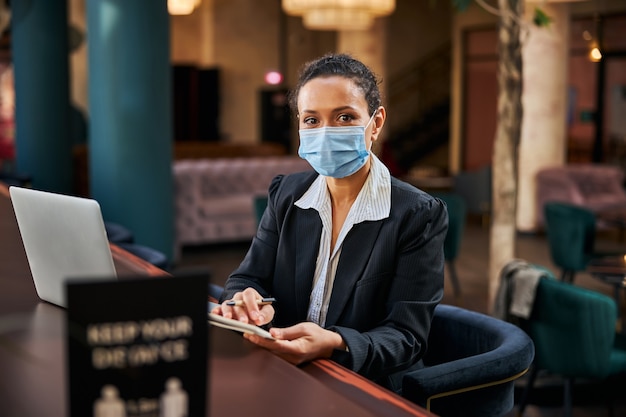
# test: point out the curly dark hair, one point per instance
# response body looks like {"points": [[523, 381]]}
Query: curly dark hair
{"points": [[342, 65]]}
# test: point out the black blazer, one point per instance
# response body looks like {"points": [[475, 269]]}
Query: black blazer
{"points": [[388, 280]]}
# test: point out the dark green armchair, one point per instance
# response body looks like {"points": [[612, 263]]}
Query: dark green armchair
{"points": [[571, 232], [260, 203], [457, 213], [573, 330]]}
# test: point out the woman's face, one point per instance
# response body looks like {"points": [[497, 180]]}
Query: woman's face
{"points": [[336, 101]]}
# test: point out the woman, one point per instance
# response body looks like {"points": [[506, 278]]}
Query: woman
{"points": [[353, 256]]}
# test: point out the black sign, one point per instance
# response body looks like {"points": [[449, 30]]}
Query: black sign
{"points": [[138, 348]]}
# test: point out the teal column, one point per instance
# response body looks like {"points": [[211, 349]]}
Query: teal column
{"points": [[130, 149], [39, 44]]}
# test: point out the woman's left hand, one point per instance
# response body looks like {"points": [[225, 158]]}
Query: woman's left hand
{"points": [[300, 343]]}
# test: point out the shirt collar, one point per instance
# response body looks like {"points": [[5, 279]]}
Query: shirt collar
{"points": [[373, 202]]}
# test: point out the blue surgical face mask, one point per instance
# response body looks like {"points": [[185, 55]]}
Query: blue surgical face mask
{"points": [[335, 151]]}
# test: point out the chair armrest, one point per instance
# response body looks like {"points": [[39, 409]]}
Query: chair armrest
{"points": [[466, 351], [462, 375]]}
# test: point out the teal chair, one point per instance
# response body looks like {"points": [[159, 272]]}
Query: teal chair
{"points": [[125, 239], [116, 233], [474, 186], [260, 203], [571, 233], [148, 254], [573, 330], [457, 213]]}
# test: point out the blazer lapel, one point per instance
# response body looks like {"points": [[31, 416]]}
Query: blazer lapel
{"points": [[308, 233], [351, 266]]}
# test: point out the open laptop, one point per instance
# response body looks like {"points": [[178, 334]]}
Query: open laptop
{"points": [[64, 237]]}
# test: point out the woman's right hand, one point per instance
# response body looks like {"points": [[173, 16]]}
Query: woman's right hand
{"points": [[250, 311]]}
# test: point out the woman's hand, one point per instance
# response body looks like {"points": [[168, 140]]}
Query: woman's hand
{"points": [[250, 311], [300, 343]]}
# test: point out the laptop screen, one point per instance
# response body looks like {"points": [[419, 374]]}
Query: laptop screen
{"points": [[64, 237]]}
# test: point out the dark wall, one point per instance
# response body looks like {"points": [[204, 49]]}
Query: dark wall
{"points": [[196, 103]]}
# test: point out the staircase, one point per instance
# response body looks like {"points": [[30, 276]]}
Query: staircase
{"points": [[419, 100]]}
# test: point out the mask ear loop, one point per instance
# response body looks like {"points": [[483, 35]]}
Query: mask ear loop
{"points": [[367, 125], [371, 118]]}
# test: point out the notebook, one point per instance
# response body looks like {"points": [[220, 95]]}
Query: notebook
{"points": [[236, 325], [64, 237]]}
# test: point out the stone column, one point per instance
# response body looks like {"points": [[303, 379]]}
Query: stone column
{"points": [[130, 149], [543, 138]]}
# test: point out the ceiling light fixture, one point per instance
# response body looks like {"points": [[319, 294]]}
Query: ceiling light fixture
{"points": [[338, 14], [182, 7]]}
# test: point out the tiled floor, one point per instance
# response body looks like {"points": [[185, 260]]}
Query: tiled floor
{"points": [[472, 266]]}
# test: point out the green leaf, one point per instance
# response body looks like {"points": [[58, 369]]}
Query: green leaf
{"points": [[540, 18]]}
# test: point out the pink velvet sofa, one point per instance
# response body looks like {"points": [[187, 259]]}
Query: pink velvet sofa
{"points": [[214, 197], [594, 186]]}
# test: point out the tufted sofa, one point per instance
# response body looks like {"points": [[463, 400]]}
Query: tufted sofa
{"points": [[594, 186], [214, 197]]}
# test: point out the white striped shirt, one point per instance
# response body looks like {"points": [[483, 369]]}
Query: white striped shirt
{"points": [[373, 203]]}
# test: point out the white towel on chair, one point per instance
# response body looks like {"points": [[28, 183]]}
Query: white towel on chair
{"points": [[524, 287], [518, 285]]}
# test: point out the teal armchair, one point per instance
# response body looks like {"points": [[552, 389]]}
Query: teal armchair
{"points": [[573, 330], [474, 186], [260, 203], [457, 213], [571, 233]]}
